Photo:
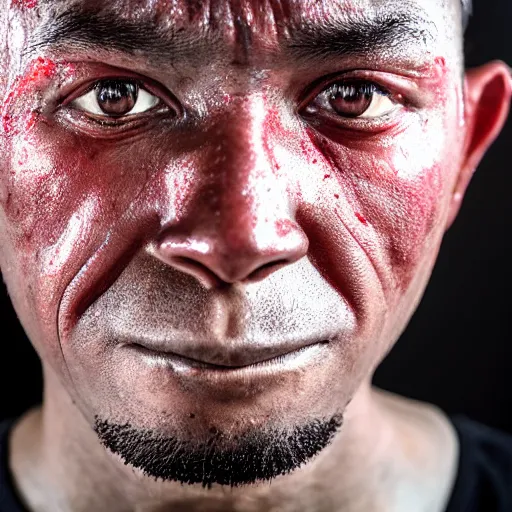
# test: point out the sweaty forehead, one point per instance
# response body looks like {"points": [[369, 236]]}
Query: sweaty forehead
{"points": [[254, 15], [200, 30], [248, 23]]}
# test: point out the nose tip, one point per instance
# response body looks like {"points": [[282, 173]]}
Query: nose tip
{"points": [[215, 260]]}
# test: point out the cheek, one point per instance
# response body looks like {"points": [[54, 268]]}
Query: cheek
{"points": [[402, 213], [61, 198], [24, 4], [389, 192]]}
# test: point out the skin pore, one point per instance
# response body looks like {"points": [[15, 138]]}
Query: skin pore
{"points": [[230, 182]]}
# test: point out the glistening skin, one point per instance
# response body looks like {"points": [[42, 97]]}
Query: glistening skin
{"points": [[216, 219]]}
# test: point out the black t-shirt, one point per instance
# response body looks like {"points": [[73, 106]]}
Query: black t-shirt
{"points": [[483, 483]]}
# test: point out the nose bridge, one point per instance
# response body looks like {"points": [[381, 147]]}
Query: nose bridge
{"points": [[239, 224], [247, 189]]}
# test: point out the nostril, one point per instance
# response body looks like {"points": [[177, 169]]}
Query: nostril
{"points": [[266, 269], [195, 268], [216, 257], [183, 260]]}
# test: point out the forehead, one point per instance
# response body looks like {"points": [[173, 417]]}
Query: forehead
{"points": [[244, 20], [226, 12], [199, 30]]}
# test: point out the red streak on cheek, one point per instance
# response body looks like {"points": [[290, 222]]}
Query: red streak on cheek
{"points": [[306, 151], [24, 4], [23, 157], [40, 70], [337, 196], [273, 131], [361, 219], [31, 121], [327, 176]]}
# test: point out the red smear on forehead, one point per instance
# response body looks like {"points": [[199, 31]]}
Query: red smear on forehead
{"points": [[40, 69]]}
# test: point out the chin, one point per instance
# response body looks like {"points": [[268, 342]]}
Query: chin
{"points": [[161, 416], [256, 454]]}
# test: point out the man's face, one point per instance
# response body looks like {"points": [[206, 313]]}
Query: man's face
{"points": [[227, 183]]}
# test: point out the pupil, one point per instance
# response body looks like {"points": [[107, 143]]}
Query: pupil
{"points": [[117, 98], [351, 100]]}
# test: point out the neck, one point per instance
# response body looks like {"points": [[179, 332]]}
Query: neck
{"points": [[391, 454]]}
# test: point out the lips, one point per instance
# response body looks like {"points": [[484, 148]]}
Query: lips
{"points": [[220, 356]]}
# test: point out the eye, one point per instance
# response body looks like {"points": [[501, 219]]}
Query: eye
{"points": [[116, 98], [354, 99]]}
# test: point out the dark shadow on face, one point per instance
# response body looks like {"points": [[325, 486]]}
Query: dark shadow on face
{"points": [[257, 456]]}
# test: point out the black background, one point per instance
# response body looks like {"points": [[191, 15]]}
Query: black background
{"points": [[456, 351]]}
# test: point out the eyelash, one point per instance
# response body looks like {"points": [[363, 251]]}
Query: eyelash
{"points": [[320, 116], [163, 106], [313, 113], [365, 87]]}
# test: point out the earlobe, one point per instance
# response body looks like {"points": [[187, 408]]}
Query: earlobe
{"points": [[488, 90]]}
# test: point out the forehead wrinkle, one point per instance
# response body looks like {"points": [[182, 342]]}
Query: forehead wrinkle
{"points": [[84, 27], [203, 30], [177, 28]]}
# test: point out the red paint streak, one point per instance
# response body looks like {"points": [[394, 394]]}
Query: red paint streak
{"points": [[361, 218], [315, 161], [8, 124], [31, 121], [306, 151], [23, 158], [283, 227], [327, 176], [40, 69], [440, 61], [24, 4], [337, 196], [273, 130]]}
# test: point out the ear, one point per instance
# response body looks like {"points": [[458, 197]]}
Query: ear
{"points": [[487, 93]]}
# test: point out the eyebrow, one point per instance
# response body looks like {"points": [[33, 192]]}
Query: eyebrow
{"points": [[381, 33], [86, 30], [333, 38]]}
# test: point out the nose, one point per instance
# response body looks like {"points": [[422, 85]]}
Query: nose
{"points": [[238, 225], [233, 255]]}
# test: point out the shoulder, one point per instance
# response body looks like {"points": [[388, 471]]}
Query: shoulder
{"points": [[484, 479]]}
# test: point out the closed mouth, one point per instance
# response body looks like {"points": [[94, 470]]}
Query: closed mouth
{"points": [[251, 360]]}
